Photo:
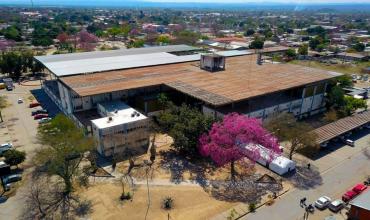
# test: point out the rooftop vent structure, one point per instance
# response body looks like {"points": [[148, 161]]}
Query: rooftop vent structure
{"points": [[212, 62], [110, 119]]}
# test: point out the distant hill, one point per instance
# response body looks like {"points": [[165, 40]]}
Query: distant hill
{"points": [[231, 6]]}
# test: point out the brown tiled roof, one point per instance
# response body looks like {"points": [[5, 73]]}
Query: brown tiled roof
{"points": [[337, 128], [242, 79]]}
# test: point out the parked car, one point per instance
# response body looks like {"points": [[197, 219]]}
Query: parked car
{"points": [[34, 104], [5, 147], [9, 180], [40, 116], [44, 120], [20, 101], [336, 205], [12, 178], [322, 202], [359, 188], [39, 111], [349, 195], [9, 87], [350, 142], [3, 199]]}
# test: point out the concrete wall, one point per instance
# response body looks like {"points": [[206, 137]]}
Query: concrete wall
{"points": [[122, 139]]}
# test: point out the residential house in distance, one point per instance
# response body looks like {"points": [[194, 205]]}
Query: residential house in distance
{"points": [[83, 84]]}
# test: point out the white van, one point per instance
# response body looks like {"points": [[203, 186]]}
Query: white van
{"points": [[350, 142]]}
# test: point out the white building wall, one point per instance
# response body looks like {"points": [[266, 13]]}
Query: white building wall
{"points": [[65, 98]]}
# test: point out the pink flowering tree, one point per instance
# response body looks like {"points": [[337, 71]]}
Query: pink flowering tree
{"points": [[87, 41], [227, 140], [5, 44]]}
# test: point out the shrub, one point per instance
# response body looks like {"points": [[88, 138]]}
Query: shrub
{"points": [[167, 203], [252, 207]]}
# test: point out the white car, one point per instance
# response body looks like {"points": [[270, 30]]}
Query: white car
{"points": [[20, 101], [44, 120], [336, 205], [6, 145], [322, 202]]}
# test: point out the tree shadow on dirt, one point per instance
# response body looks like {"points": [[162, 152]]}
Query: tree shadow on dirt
{"points": [[304, 177], [177, 165], [245, 189]]}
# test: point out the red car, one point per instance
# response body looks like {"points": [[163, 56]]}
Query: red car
{"points": [[359, 188], [350, 194], [34, 104], [39, 116]]}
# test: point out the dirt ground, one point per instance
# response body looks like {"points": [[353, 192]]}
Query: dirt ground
{"points": [[199, 189], [190, 202]]}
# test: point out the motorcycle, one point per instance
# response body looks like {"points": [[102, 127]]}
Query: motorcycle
{"points": [[310, 208]]}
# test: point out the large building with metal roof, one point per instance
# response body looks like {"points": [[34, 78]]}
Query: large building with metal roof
{"points": [[218, 83]]}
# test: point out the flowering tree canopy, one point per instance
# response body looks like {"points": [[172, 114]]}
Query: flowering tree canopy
{"points": [[87, 40], [5, 44], [227, 140]]}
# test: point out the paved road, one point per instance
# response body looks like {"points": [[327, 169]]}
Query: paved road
{"points": [[335, 180]]}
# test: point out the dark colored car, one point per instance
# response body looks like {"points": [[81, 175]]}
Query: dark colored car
{"points": [[39, 116], [39, 111], [34, 104]]}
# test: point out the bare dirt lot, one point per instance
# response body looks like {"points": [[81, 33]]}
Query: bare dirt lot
{"points": [[190, 202]]}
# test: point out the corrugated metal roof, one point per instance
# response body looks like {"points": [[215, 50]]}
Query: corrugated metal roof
{"points": [[97, 61], [362, 201], [241, 79], [337, 128], [113, 53]]}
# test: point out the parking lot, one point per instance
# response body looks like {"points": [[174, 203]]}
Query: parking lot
{"points": [[20, 129]]}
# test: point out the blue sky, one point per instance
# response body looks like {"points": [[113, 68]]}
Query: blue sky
{"points": [[262, 1]]}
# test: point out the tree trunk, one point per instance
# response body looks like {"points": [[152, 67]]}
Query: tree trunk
{"points": [[232, 166]]}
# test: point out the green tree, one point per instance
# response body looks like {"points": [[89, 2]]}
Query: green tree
{"points": [[336, 97], [344, 81], [184, 124], [249, 32], [257, 43], [137, 43], [303, 50], [286, 127], [12, 33], [352, 104], [64, 147], [291, 53], [314, 42], [359, 47], [186, 37], [14, 157], [114, 31], [163, 39]]}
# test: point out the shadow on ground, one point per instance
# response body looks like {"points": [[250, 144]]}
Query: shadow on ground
{"points": [[245, 190], [46, 102], [304, 178], [177, 165]]}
